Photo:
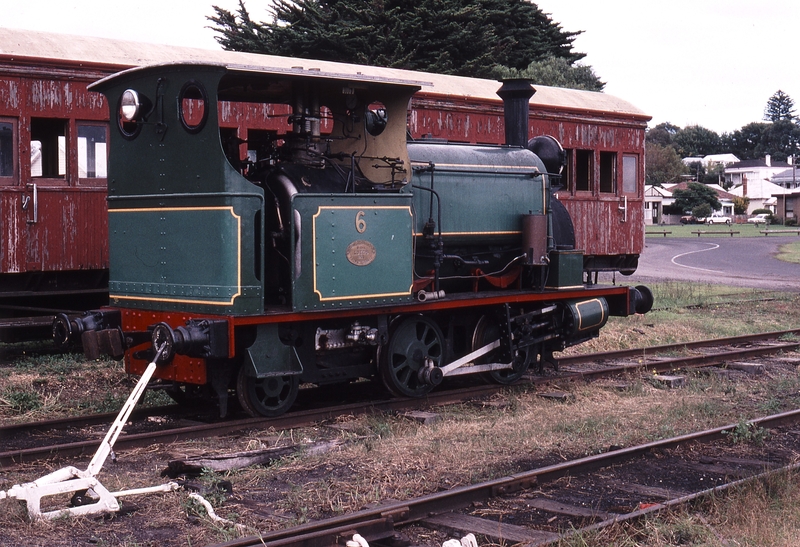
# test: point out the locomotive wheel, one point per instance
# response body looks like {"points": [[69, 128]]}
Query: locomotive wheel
{"points": [[487, 331], [189, 395], [271, 396], [415, 340]]}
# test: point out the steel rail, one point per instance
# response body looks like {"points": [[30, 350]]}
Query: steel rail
{"points": [[82, 421], [62, 423], [653, 350], [406, 512], [307, 417], [289, 420]]}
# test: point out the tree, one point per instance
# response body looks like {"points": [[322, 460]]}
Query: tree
{"points": [[464, 37], [702, 210], [696, 141], [662, 134], [779, 107], [555, 72], [747, 143], [781, 139], [740, 205], [694, 195], [663, 164]]}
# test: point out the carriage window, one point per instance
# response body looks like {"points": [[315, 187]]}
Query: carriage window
{"points": [[608, 171], [583, 170], [48, 148], [6, 149], [565, 181], [193, 106], [92, 151], [630, 172]]}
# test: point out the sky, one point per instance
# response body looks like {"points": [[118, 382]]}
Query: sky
{"points": [[713, 63]]}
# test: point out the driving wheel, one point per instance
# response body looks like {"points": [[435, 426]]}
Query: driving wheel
{"points": [[270, 396], [412, 343], [487, 331]]}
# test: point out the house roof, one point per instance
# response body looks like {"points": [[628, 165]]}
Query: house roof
{"points": [[721, 193], [758, 189], [727, 159], [750, 164], [791, 174], [653, 191]]}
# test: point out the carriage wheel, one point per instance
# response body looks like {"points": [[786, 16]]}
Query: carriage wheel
{"points": [[415, 340], [271, 396], [487, 331]]}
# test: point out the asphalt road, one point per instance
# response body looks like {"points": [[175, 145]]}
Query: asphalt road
{"points": [[746, 262]]}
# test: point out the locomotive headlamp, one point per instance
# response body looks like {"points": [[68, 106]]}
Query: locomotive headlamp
{"points": [[129, 105]]}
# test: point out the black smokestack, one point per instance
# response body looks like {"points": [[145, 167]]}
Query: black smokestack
{"points": [[515, 95]]}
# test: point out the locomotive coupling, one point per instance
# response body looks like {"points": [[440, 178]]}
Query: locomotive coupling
{"points": [[98, 331], [641, 299], [199, 338]]}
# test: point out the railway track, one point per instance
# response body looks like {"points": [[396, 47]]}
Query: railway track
{"points": [[570, 369], [548, 503]]}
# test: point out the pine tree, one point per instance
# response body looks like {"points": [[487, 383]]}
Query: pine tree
{"points": [[478, 38], [779, 107]]}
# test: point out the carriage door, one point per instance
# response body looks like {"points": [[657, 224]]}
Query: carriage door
{"points": [[64, 196], [48, 180], [8, 193]]}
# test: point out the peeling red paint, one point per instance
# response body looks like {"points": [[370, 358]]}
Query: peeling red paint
{"points": [[71, 229]]}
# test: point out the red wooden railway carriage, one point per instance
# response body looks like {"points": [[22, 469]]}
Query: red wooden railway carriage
{"points": [[53, 226], [493, 219]]}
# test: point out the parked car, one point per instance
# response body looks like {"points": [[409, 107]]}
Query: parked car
{"points": [[716, 218], [760, 218], [689, 219]]}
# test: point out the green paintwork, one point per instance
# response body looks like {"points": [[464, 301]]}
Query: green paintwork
{"points": [[328, 226], [175, 187], [588, 315], [178, 256], [484, 191], [566, 270], [269, 356]]}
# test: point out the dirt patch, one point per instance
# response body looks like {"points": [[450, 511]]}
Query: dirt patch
{"points": [[386, 456]]}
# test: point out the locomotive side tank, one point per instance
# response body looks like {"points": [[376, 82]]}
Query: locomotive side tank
{"points": [[335, 251]]}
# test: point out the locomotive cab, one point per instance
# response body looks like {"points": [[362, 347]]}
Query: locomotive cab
{"points": [[313, 244]]}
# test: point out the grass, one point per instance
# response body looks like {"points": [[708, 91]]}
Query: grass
{"points": [[686, 312], [765, 513], [789, 253], [386, 456], [685, 230]]}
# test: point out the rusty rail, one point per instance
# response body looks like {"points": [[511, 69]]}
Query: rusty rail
{"points": [[331, 531]]}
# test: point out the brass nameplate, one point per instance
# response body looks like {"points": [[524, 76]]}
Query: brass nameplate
{"points": [[360, 252]]}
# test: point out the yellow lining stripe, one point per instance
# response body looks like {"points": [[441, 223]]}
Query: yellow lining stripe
{"points": [[314, 250], [185, 300], [580, 315]]}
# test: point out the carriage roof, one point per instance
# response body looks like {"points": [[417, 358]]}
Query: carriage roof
{"points": [[29, 47]]}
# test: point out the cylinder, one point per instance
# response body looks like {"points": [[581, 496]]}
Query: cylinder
{"points": [[534, 239], [587, 315]]}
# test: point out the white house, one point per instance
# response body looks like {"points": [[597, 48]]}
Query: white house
{"points": [[654, 201], [761, 193], [789, 179], [748, 172], [656, 198]]}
